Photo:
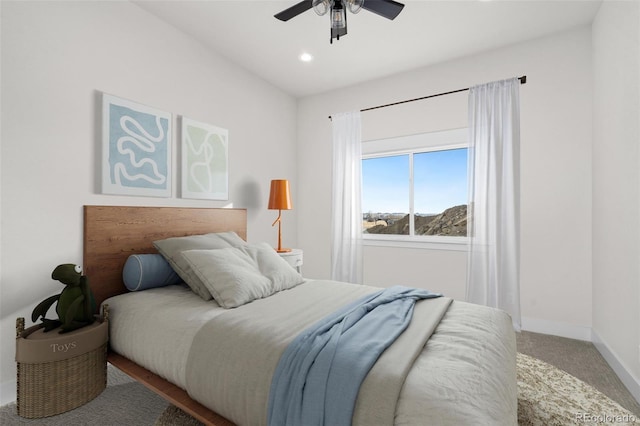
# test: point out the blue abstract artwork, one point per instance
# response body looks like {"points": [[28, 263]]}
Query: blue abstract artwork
{"points": [[136, 149]]}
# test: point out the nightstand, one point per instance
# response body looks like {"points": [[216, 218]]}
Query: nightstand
{"points": [[293, 258]]}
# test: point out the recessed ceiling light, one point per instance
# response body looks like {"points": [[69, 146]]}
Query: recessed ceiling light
{"points": [[306, 57]]}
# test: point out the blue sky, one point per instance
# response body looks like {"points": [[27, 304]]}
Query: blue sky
{"points": [[440, 182]]}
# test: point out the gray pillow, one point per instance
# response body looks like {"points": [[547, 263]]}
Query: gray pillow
{"points": [[239, 275], [171, 249]]}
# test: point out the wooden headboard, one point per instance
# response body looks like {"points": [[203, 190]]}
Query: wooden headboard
{"points": [[112, 233]]}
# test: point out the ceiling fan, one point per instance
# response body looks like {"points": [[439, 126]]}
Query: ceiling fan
{"points": [[338, 15]]}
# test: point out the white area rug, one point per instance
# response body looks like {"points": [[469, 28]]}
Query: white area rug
{"points": [[548, 396]]}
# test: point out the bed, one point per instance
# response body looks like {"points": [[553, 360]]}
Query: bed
{"points": [[464, 374]]}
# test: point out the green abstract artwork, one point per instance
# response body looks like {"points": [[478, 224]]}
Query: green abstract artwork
{"points": [[205, 161]]}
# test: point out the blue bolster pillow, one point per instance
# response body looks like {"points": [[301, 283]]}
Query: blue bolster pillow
{"points": [[143, 271]]}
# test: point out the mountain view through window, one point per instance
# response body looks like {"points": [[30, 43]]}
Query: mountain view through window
{"points": [[432, 184]]}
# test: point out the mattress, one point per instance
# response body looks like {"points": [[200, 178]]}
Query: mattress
{"points": [[465, 373]]}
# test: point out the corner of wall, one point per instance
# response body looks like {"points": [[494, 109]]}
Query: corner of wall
{"points": [[616, 187], [556, 328]]}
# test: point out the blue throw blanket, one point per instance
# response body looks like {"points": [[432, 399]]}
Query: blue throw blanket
{"points": [[319, 375]]}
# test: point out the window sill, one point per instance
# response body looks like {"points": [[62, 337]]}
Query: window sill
{"points": [[427, 243]]}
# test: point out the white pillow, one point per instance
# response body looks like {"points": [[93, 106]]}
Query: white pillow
{"points": [[239, 275], [171, 248]]}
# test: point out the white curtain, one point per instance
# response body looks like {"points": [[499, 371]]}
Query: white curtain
{"points": [[494, 197], [346, 225]]}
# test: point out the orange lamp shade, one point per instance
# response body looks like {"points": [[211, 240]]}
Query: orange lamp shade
{"points": [[279, 197]]}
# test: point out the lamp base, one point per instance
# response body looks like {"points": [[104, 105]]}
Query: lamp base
{"points": [[283, 250]]}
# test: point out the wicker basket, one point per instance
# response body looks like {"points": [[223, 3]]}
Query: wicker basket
{"points": [[59, 372]]}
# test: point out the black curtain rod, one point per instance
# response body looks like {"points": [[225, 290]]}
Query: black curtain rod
{"points": [[523, 80]]}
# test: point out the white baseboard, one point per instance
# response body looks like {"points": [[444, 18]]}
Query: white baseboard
{"points": [[628, 379], [7, 392], [556, 328]]}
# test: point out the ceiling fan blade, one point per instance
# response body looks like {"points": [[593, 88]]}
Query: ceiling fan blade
{"points": [[386, 8], [294, 10]]}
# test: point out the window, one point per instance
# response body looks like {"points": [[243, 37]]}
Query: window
{"points": [[414, 188]]}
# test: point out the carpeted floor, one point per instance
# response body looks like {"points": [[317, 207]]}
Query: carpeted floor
{"points": [[125, 402], [580, 359]]}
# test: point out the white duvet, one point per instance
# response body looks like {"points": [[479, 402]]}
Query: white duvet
{"points": [[465, 374]]}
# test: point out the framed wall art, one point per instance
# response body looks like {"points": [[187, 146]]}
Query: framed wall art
{"points": [[136, 149], [205, 161]]}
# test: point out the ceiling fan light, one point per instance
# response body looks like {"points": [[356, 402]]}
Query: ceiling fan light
{"points": [[338, 18], [321, 7], [354, 6]]}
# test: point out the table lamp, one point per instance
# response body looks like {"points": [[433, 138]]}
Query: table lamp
{"points": [[280, 199]]}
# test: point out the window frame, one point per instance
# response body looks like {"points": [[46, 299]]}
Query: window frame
{"points": [[416, 144]]}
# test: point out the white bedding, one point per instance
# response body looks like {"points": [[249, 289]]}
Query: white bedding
{"points": [[465, 374], [154, 328]]}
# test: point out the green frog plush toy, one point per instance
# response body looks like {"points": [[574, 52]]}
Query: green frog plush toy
{"points": [[76, 304]]}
